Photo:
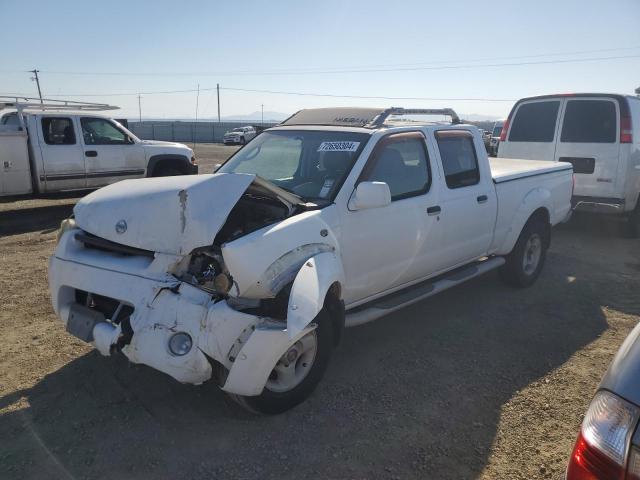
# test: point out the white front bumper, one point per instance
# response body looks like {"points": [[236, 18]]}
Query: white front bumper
{"points": [[246, 345]]}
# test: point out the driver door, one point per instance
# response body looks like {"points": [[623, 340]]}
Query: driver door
{"points": [[110, 155], [386, 247]]}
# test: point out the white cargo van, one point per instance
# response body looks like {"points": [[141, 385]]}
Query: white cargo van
{"points": [[598, 133]]}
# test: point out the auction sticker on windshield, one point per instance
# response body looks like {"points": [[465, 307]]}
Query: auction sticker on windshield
{"points": [[338, 146]]}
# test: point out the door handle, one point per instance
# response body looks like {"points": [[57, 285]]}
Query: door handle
{"points": [[435, 210], [90, 153], [482, 199]]}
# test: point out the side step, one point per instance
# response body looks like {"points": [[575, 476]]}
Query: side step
{"points": [[415, 293]]}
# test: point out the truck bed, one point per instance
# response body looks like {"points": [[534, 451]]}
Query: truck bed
{"points": [[507, 169]]}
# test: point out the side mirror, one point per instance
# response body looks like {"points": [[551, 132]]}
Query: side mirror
{"points": [[370, 195]]}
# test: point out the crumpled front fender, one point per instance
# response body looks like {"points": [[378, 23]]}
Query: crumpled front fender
{"points": [[310, 287]]}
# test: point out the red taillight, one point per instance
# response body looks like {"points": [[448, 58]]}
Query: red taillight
{"points": [[626, 134], [587, 463], [601, 447], [505, 127]]}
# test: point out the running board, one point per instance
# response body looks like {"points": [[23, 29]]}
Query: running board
{"points": [[415, 293]]}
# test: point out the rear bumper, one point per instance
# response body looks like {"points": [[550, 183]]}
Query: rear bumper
{"points": [[246, 345], [615, 206]]}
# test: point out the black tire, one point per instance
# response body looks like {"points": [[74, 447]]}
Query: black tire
{"points": [[242, 141], [514, 272], [167, 172], [271, 402]]}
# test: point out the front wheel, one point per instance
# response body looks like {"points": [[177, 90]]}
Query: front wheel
{"points": [[524, 263], [297, 373]]}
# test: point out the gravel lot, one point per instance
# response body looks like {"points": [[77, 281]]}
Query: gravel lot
{"points": [[481, 381]]}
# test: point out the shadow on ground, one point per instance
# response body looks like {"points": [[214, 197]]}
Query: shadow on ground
{"points": [[416, 395]]}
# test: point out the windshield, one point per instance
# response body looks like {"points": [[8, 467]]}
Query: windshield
{"points": [[497, 130], [311, 164]]}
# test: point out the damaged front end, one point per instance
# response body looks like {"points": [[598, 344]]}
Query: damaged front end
{"points": [[186, 273]]}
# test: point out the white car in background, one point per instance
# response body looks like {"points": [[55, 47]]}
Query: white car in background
{"points": [[332, 219], [239, 136], [598, 133]]}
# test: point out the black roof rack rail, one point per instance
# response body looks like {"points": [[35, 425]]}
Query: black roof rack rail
{"points": [[380, 119]]}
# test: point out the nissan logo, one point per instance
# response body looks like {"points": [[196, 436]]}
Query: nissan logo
{"points": [[121, 226]]}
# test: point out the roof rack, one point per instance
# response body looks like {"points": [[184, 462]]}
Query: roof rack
{"points": [[23, 103], [380, 119], [359, 117]]}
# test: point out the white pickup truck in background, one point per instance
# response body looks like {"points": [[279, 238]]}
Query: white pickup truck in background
{"points": [[334, 218], [59, 145]]}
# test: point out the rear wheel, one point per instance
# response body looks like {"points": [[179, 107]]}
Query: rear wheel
{"points": [[297, 373], [524, 263]]}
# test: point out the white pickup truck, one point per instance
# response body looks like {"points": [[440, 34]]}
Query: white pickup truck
{"points": [[334, 218], [58, 146]]}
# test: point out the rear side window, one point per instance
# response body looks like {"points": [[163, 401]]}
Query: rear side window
{"points": [[589, 121], [535, 122], [459, 159], [58, 131], [401, 162]]}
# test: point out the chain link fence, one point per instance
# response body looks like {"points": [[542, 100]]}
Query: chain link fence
{"points": [[187, 132]]}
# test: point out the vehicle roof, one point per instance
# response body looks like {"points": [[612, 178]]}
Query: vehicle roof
{"points": [[388, 127], [58, 113], [369, 118], [578, 95]]}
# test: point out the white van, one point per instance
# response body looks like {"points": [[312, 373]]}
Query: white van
{"points": [[598, 133]]}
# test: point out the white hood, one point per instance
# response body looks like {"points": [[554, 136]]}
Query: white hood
{"points": [[170, 215]]}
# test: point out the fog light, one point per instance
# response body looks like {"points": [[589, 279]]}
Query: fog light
{"points": [[180, 344]]}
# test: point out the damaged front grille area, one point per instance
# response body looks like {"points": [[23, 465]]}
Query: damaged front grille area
{"points": [[114, 311], [97, 243]]}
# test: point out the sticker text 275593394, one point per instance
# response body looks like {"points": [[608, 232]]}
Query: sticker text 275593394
{"points": [[338, 146]]}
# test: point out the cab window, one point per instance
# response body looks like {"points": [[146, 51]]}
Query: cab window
{"points": [[459, 159], [99, 131], [401, 161], [535, 122], [58, 131]]}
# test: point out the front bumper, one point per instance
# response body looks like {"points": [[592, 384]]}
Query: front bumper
{"points": [[608, 205], [246, 345]]}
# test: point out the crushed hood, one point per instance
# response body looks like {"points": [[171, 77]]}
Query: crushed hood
{"points": [[170, 215]]}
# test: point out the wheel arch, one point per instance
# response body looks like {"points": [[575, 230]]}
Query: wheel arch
{"points": [[318, 284], [536, 204], [173, 160]]}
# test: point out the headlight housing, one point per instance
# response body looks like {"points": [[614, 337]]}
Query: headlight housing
{"points": [[65, 225], [180, 344]]}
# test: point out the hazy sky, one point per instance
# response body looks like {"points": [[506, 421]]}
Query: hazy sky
{"points": [[114, 46]]}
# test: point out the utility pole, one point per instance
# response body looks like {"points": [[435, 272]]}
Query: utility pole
{"points": [[262, 114], [139, 110], [37, 80], [218, 90], [195, 127]]}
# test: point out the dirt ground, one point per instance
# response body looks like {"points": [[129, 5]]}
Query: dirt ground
{"points": [[482, 381]]}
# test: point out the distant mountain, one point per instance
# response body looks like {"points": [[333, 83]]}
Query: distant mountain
{"points": [[479, 117]]}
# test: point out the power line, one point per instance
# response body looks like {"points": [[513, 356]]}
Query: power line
{"points": [[280, 92], [373, 68]]}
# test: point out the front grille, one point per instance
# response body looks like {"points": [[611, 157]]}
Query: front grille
{"points": [[97, 243]]}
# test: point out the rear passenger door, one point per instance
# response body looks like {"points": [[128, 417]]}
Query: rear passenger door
{"points": [[589, 140], [63, 161], [533, 130], [468, 203]]}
